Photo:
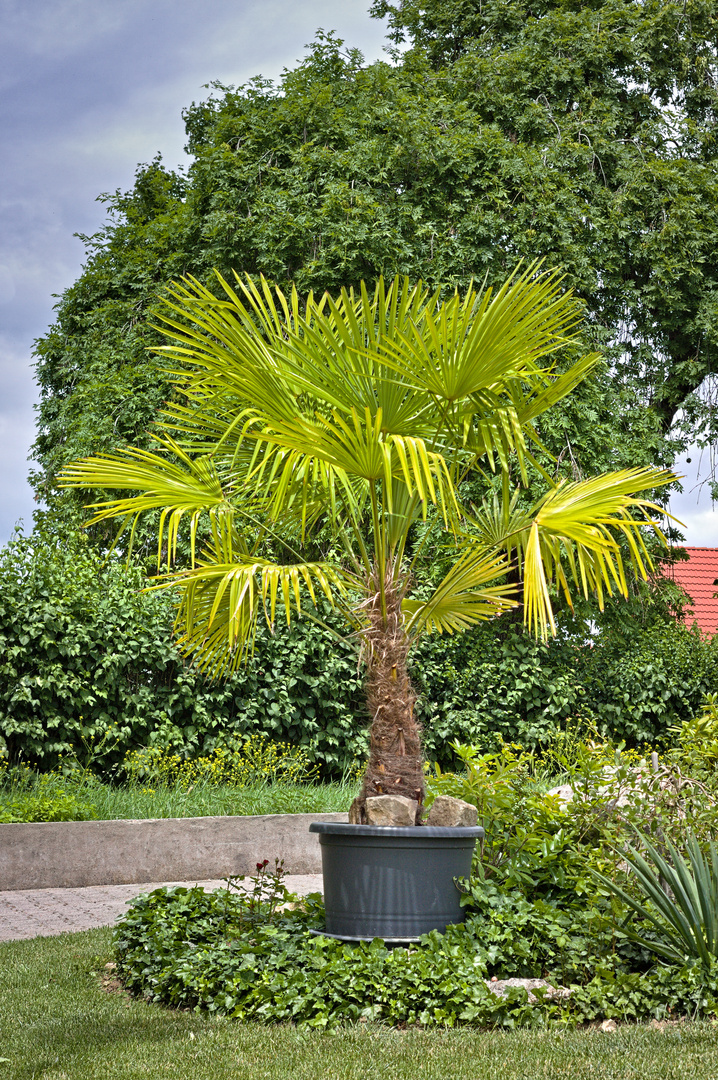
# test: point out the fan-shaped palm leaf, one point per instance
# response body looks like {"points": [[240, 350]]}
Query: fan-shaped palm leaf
{"points": [[185, 487], [222, 596], [572, 534], [467, 595], [481, 341]]}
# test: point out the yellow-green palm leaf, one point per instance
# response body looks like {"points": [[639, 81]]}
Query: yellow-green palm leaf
{"points": [[468, 594], [221, 601], [175, 483], [571, 537], [347, 417]]}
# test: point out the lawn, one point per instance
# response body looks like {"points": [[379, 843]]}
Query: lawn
{"points": [[57, 1022], [209, 800], [53, 798], [260, 777]]}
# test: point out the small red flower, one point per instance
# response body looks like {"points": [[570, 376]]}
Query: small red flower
{"points": [[261, 865]]}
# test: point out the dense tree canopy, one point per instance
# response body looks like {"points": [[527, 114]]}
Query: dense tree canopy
{"points": [[582, 133]]}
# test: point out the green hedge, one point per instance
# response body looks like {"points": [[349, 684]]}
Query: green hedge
{"points": [[490, 683], [83, 650]]}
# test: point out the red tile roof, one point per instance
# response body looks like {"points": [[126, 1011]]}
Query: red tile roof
{"points": [[699, 577]]}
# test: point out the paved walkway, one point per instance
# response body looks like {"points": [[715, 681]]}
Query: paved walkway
{"points": [[28, 913]]}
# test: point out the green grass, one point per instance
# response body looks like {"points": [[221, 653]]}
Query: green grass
{"points": [[58, 1023], [138, 800], [207, 800]]}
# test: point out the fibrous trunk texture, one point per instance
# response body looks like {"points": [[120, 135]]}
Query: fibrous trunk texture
{"points": [[395, 756]]}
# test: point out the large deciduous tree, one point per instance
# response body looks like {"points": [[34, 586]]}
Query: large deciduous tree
{"points": [[581, 132]]}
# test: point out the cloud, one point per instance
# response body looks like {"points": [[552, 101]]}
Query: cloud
{"points": [[17, 432], [693, 505], [60, 29], [701, 527], [7, 285]]}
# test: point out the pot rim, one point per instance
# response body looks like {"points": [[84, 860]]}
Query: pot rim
{"points": [[416, 832]]}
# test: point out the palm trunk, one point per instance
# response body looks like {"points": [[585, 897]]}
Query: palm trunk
{"points": [[395, 756]]}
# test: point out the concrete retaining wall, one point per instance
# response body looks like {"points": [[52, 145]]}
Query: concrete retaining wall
{"points": [[72, 854]]}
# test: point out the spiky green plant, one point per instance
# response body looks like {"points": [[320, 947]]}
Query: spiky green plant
{"points": [[680, 899], [353, 415]]}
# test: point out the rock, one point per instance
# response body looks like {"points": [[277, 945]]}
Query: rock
{"points": [[553, 993], [390, 810], [446, 811], [564, 792], [639, 785], [355, 814], [609, 1026]]}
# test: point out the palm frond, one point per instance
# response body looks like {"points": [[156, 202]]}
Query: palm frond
{"points": [[571, 537], [467, 595], [323, 354], [359, 411], [358, 448], [185, 486], [534, 400], [482, 341], [223, 357], [221, 598]]}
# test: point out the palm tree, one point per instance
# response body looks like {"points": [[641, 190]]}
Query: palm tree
{"points": [[349, 418]]}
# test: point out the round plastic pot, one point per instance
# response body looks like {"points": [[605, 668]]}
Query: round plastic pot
{"points": [[394, 883]]}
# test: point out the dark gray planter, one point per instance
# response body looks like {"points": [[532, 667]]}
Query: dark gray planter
{"points": [[394, 883]]}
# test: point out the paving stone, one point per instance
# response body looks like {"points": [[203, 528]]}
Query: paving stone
{"points": [[28, 913]]}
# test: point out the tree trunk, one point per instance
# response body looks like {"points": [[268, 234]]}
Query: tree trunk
{"points": [[395, 756]]}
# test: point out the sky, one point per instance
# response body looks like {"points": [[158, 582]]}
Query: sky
{"points": [[90, 89]]}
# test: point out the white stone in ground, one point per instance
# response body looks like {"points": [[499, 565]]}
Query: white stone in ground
{"points": [[499, 987], [634, 787], [451, 813], [390, 810]]}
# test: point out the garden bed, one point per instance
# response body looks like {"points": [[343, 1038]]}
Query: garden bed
{"points": [[260, 955]]}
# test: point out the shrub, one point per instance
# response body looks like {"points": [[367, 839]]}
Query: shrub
{"points": [[550, 847], [498, 683], [255, 759], [696, 740], [84, 652], [640, 685]]}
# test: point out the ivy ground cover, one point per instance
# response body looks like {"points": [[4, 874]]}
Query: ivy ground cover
{"points": [[255, 960]]}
